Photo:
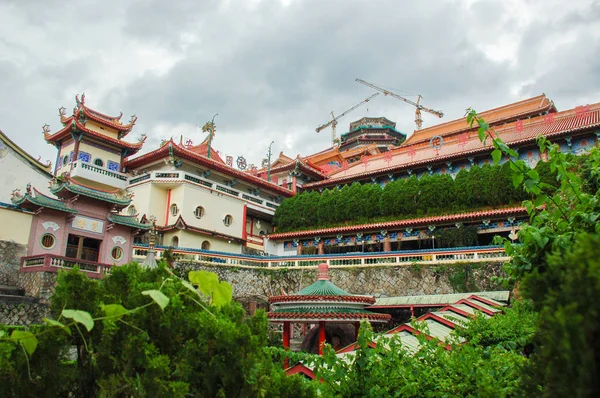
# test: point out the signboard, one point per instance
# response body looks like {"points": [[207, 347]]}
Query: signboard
{"points": [[88, 224]]}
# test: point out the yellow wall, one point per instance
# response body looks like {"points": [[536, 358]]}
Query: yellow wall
{"points": [[102, 130], [151, 200], [99, 153], [65, 151], [15, 226], [194, 240]]}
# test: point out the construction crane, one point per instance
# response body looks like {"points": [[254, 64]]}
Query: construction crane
{"points": [[334, 121], [419, 107]]}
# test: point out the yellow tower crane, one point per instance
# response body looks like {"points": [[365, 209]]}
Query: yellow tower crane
{"points": [[418, 119], [334, 121]]}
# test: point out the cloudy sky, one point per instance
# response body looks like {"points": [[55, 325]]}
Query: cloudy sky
{"points": [[274, 69]]}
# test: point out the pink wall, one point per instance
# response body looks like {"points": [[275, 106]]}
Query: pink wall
{"points": [[86, 208]]}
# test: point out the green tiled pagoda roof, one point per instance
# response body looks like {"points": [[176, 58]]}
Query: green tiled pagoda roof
{"points": [[128, 221], [321, 310], [322, 288], [42, 201], [91, 193]]}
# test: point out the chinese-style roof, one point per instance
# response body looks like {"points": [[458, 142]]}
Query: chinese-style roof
{"points": [[128, 221], [75, 125], [181, 224], [465, 144], [67, 187], [181, 152], [403, 223], [44, 168], [202, 150], [323, 300], [498, 298], [81, 109], [522, 109], [34, 199]]}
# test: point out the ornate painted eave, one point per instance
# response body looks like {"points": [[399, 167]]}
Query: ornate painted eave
{"points": [[326, 314], [44, 168], [412, 222], [34, 199], [74, 125], [67, 187], [183, 153], [322, 298], [128, 221], [564, 123]]}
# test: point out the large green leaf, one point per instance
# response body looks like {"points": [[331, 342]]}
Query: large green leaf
{"points": [[52, 322], [158, 297], [115, 311], [79, 316], [205, 280], [222, 294], [26, 339]]}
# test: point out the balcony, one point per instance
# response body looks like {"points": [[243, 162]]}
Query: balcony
{"points": [[168, 178], [54, 263], [98, 175]]}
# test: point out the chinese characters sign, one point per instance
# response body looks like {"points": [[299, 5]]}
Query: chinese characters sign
{"points": [[88, 224]]}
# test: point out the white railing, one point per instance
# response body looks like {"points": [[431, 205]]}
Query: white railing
{"points": [[399, 258], [200, 180], [51, 263]]}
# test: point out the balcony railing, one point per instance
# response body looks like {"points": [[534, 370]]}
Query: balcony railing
{"points": [[182, 175], [398, 258], [52, 263], [94, 173]]}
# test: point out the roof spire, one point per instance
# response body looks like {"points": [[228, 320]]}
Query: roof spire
{"points": [[323, 272]]}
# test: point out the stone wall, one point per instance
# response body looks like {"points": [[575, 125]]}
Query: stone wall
{"points": [[38, 284], [10, 262], [22, 313], [376, 281]]}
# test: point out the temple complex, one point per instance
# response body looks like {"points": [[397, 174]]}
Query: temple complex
{"points": [[79, 222]]}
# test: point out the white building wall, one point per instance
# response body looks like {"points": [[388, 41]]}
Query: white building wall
{"points": [[16, 172]]}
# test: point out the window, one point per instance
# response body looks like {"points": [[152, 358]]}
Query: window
{"points": [[199, 212], [131, 210], [174, 241], [206, 245], [65, 160], [82, 248], [174, 210], [116, 253], [47, 241], [228, 220], [113, 166], [98, 162]]}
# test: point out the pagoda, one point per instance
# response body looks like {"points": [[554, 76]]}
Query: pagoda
{"points": [[81, 225], [322, 303], [368, 130]]}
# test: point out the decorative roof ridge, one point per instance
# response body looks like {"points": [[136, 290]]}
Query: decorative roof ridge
{"points": [[398, 223], [129, 221], [37, 198], [118, 197], [70, 180]]}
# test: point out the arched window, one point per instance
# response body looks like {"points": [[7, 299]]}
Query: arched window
{"points": [[116, 253], [175, 241], [48, 241], [199, 212], [98, 162], [228, 220], [131, 210], [206, 245], [174, 210]]}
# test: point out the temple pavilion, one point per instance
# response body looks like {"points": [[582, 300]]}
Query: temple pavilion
{"points": [[322, 303]]}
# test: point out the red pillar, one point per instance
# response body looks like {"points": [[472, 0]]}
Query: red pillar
{"points": [[412, 312], [286, 334], [286, 342], [244, 217], [321, 248], [387, 244], [299, 250], [321, 336]]}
